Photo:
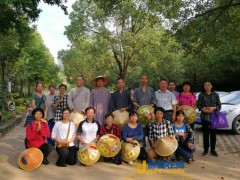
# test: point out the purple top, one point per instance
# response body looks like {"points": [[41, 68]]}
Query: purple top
{"points": [[100, 100]]}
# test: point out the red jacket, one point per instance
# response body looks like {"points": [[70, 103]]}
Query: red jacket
{"points": [[37, 138]]}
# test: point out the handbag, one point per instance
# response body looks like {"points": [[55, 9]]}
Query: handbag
{"points": [[63, 144], [219, 120]]}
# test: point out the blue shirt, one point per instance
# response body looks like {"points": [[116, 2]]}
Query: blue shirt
{"points": [[120, 100], [135, 133], [181, 129]]}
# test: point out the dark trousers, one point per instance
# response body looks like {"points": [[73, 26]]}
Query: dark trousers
{"points": [[192, 125], [45, 148], [168, 115], [50, 125], [206, 132], [117, 158], [66, 156], [184, 151], [145, 134]]}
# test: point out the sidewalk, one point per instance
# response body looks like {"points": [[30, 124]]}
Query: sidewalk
{"points": [[226, 166]]}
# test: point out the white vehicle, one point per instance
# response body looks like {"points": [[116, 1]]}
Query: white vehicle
{"points": [[231, 107]]}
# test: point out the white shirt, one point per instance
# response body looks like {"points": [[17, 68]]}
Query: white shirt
{"points": [[60, 131], [88, 131], [165, 99]]}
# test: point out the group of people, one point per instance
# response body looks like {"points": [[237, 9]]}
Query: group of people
{"points": [[98, 106]]}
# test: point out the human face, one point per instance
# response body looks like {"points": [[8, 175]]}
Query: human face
{"points": [[51, 90], [62, 90], [109, 121], [66, 115], [39, 88], [180, 118], [100, 82], [186, 88], [159, 116], [163, 85], [144, 80], [120, 84], [38, 116], [79, 81], [207, 86], [133, 118], [90, 114], [171, 86]]}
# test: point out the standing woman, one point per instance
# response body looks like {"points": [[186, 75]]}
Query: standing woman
{"points": [[134, 131], [60, 102], [36, 133], [208, 101], [63, 134], [187, 98], [39, 99]]}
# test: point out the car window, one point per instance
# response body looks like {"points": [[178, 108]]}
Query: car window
{"points": [[231, 99]]}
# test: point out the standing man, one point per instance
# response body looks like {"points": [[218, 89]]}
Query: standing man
{"points": [[120, 99], [100, 98], [50, 113], [171, 87], [166, 100], [79, 97], [144, 95], [60, 102]]}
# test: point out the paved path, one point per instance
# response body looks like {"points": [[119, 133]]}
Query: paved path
{"points": [[227, 166]]}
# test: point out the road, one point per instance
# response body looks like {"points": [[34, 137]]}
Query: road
{"points": [[226, 166]]}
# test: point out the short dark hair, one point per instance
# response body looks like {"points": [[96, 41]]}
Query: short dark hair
{"points": [[159, 109], [203, 90], [164, 80], [38, 110], [38, 84], [133, 113], [109, 115], [51, 86], [143, 75], [62, 85], [180, 112], [88, 108], [81, 76], [66, 109], [186, 83], [120, 78], [172, 81]]}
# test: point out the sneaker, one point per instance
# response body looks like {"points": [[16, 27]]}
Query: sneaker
{"points": [[45, 161], [214, 153], [130, 162], [205, 153], [190, 161]]}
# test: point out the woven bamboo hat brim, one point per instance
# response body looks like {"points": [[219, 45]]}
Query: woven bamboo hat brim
{"points": [[109, 145], [166, 146], [30, 159], [88, 154], [105, 80]]}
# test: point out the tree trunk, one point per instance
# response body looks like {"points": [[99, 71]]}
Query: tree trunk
{"points": [[21, 89]]}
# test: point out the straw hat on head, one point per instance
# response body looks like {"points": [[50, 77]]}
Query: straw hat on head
{"points": [[166, 146], [105, 80]]}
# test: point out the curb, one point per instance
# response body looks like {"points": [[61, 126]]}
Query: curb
{"points": [[11, 124]]}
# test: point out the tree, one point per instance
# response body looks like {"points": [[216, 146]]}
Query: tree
{"points": [[116, 23], [14, 11]]}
